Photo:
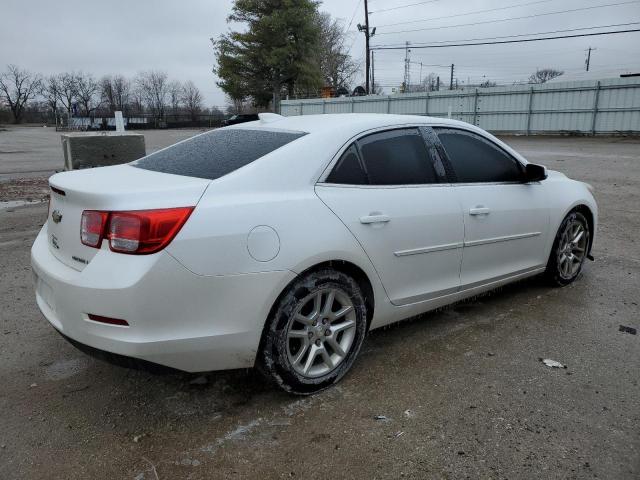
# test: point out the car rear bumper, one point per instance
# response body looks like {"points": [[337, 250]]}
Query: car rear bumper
{"points": [[176, 318]]}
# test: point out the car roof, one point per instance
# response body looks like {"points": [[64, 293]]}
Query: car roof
{"points": [[327, 135], [346, 122]]}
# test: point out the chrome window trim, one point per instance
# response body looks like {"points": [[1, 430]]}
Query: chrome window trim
{"points": [[409, 185], [473, 184]]}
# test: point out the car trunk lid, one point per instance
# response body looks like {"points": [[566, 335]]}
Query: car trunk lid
{"points": [[118, 188]]}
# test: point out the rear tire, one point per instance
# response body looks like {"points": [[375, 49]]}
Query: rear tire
{"points": [[315, 332], [569, 250]]}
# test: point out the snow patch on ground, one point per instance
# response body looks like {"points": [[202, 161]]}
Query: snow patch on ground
{"points": [[19, 203]]}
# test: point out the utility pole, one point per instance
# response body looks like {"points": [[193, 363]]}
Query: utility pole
{"points": [[407, 67], [588, 60], [451, 80], [420, 82], [367, 35], [373, 72]]}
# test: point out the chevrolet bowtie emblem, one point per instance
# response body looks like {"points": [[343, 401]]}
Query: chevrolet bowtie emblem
{"points": [[56, 216]]}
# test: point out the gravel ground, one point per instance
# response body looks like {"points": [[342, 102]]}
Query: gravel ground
{"points": [[462, 392]]}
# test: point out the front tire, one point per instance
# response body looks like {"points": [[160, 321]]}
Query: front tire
{"points": [[569, 250], [315, 332]]}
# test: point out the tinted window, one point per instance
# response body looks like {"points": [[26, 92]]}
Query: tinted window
{"points": [[475, 159], [216, 153], [397, 157], [348, 170]]}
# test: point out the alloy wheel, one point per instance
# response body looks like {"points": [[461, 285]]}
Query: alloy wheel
{"points": [[321, 332], [572, 249]]}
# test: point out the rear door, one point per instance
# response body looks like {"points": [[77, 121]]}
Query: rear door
{"points": [[389, 189], [505, 219]]}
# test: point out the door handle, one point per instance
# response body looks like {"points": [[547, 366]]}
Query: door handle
{"points": [[479, 210], [375, 218]]}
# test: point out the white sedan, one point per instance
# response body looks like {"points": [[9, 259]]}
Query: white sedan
{"points": [[279, 243]]}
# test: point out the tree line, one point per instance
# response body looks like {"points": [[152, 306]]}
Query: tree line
{"points": [[81, 94]]}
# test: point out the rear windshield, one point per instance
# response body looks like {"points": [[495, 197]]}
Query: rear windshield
{"points": [[216, 153]]}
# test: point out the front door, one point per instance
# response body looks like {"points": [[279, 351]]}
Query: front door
{"points": [[506, 220]]}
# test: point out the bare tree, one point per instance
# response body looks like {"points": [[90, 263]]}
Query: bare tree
{"points": [[115, 92], [544, 75], [216, 113], [153, 87], [192, 99], [336, 65], [174, 89], [17, 87], [51, 92], [428, 84], [122, 92], [87, 92], [136, 97], [107, 93], [68, 88]]}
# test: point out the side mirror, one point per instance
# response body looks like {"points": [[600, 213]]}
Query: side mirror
{"points": [[534, 173]]}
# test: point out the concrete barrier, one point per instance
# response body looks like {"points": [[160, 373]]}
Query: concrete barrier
{"points": [[87, 150]]}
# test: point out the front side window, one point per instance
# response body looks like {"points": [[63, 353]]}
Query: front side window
{"points": [[475, 159], [216, 153]]}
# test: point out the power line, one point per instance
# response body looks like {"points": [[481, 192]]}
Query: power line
{"points": [[529, 34], [466, 13], [510, 19], [355, 37], [403, 6], [354, 15], [511, 41]]}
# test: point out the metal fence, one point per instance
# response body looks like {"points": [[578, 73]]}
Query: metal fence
{"points": [[609, 106]]}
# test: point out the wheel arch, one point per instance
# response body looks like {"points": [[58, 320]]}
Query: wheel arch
{"points": [[585, 210], [344, 266], [588, 214], [355, 272]]}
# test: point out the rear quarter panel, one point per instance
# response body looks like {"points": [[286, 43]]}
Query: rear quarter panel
{"points": [[215, 240]]}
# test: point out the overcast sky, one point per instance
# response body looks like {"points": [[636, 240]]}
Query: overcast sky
{"points": [[130, 36]]}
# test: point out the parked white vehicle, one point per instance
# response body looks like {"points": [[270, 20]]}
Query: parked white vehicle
{"points": [[279, 243]]}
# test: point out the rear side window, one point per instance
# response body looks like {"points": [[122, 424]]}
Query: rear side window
{"points": [[475, 159], [397, 157], [216, 153], [348, 170]]}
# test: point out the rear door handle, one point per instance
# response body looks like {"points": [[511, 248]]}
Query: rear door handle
{"points": [[479, 211], [375, 218]]}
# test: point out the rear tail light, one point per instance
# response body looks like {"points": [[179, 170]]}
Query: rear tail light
{"points": [[137, 232], [92, 227], [145, 231]]}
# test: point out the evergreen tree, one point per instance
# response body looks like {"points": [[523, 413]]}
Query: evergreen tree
{"points": [[276, 52]]}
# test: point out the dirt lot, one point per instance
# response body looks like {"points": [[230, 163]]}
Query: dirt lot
{"points": [[463, 392]]}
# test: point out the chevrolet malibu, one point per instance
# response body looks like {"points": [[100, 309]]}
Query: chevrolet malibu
{"points": [[279, 243]]}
